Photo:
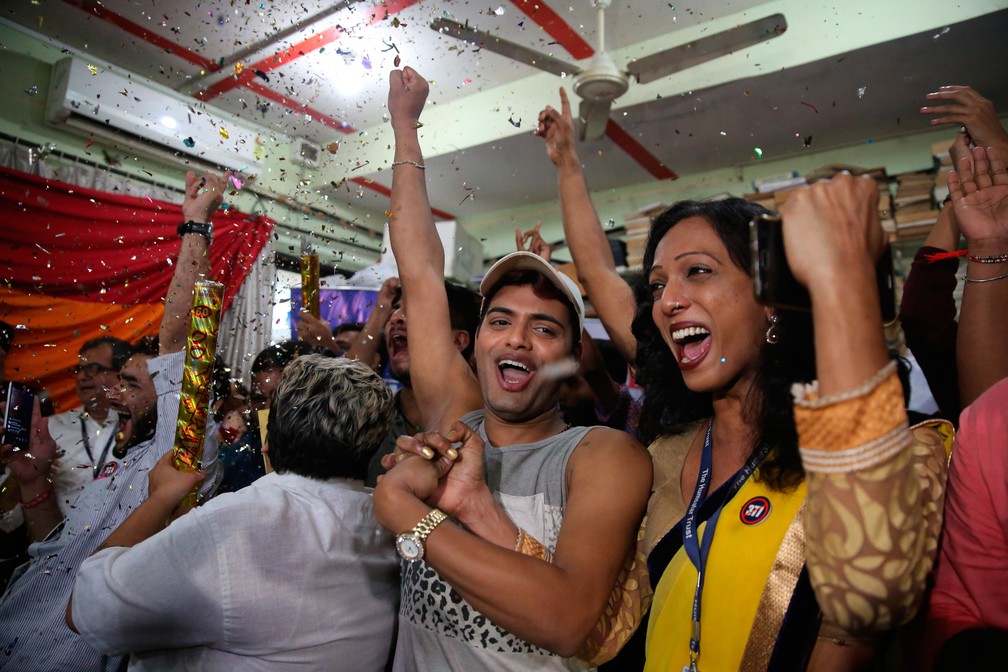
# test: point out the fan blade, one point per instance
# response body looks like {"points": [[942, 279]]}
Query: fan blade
{"points": [[515, 52], [593, 116], [664, 63]]}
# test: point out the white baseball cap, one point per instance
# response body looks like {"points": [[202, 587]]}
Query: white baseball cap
{"points": [[528, 261]]}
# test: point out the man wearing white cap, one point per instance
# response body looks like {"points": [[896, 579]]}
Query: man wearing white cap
{"points": [[514, 528]]}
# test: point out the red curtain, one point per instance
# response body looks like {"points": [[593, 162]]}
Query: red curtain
{"points": [[78, 263]]}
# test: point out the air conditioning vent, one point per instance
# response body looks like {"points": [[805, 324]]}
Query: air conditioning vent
{"points": [[307, 153], [150, 118]]}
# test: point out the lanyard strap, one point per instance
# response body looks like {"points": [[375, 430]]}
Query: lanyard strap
{"points": [[95, 466], [697, 551]]}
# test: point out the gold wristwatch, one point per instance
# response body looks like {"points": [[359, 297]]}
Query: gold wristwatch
{"points": [[411, 544]]}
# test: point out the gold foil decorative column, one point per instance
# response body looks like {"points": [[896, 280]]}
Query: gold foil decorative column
{"points": [[194, 404], [309, 279]]}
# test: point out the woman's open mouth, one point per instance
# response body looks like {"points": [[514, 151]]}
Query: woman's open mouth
{"points": [[692, 344]]}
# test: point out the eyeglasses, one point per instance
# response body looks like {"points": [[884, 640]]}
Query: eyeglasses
{"points": [[90, 369]]}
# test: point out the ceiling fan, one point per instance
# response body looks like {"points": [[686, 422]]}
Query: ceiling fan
{"points": [[602, 82]]}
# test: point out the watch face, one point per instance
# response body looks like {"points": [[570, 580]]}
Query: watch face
{"points": [[409, 546]]}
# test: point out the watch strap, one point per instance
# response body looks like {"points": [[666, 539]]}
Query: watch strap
{"points": [[428, 523], [204, 229]]}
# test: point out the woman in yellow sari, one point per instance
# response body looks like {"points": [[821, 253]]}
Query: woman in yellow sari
{"points": [[787, 528], [779, 535]]}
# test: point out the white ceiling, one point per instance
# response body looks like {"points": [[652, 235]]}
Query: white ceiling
{"points": [[842, 74]]}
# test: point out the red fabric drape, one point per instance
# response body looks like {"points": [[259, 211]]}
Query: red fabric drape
{"points": [[78, 263]]}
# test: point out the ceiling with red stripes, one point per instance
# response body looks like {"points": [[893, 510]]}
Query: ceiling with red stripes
{"points": [[318, 70]]}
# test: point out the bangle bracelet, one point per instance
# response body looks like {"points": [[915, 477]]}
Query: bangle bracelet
{"points": [[407, 162], [37, 499], [992, 259], [979, 280]]}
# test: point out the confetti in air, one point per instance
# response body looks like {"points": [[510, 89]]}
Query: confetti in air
{"points": [[471, 194]]}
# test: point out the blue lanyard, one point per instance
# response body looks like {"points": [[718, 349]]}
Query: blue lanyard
{"points": [[697, 551], [96, 466]]}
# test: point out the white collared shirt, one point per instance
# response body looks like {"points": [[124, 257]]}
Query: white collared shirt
{"points": [[289, 573], [75, 468]]}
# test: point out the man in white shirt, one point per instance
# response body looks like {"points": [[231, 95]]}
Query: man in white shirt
{"points": [[291, 572], [85, 435], [147, 400]]}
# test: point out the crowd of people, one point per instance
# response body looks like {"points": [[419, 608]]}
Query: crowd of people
{"points": [[764, 504]]}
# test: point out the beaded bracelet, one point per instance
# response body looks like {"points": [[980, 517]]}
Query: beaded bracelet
{"points": [[407, 162], [992, 259], [37, 499]]}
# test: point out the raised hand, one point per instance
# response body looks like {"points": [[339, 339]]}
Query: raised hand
{"points": [[203, 195], [557, 129], [315, 330], [387, 294], [831, 228], [169, 485], [979, 190], [35, 464], [407, 95], [532, 241], [960, 148], [963, 106]]}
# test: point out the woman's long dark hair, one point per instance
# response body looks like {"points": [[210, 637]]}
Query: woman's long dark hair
{"points": [[668, 403]]}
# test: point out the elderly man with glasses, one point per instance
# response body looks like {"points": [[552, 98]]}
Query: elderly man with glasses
{"points": [[85, 435]]}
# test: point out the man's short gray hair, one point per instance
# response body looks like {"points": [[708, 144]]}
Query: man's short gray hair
{"points": [[328, 417]]}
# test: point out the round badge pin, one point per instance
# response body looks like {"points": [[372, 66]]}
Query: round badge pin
{"points": [[755, 511]]}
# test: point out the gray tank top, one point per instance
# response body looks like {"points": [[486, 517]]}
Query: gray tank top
{"points": [[438, 628]]}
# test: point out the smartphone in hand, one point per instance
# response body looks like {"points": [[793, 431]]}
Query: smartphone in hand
{"points": [[775, 283], [18, 415]]}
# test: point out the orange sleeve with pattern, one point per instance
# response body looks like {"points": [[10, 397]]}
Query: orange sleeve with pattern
{"points": [[875, 500]]}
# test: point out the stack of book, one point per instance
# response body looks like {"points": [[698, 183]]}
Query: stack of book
{"points": [[778, 182], [638, 224], [766, 200], [915, 212], [880, 176], [787, 186]]}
